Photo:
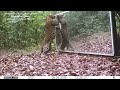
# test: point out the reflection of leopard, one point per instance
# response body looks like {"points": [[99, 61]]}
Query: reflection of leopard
{"points": [[64, 42], [50, 27]]}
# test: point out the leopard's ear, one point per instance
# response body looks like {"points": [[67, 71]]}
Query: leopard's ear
{"points": [[63, 16], [60, 16], [51, 16]]}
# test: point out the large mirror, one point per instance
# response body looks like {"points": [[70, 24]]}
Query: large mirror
{"points": [[88, 32]]}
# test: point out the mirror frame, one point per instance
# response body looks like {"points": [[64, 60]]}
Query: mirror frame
{"points": [[113, 38], [114, 30]]}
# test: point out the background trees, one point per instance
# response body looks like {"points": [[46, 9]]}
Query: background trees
{"points": [[85, 23], [28, 29], [23, 31]]}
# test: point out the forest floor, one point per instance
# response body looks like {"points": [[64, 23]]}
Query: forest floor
{"points": [[56, 64], [97, 43]]}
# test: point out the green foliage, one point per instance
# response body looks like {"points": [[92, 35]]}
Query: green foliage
{"points": [[27, 30], [118, 25], [22, 32], [87, 22]]}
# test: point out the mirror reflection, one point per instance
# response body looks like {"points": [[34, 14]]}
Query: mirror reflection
{"points": [[84, 31]]}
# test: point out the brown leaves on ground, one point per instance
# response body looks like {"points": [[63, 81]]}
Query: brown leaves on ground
{"points": [[55, 64], [97, 43], [64, 64]]}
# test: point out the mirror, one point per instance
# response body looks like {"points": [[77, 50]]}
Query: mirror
{"points": [[88, 32]]}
